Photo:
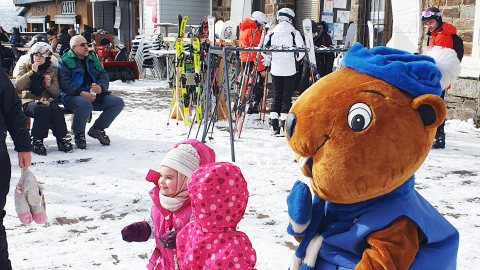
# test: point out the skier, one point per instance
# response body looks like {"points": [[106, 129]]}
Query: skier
{"points": [[171, 209], [441, 35], [250, 35], [283, 67]]}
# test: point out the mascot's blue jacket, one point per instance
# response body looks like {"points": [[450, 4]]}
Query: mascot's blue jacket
{"points": [[345, 227]]}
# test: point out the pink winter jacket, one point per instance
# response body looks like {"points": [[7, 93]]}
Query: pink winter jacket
{"points": [[164, 220], [211, 241]]}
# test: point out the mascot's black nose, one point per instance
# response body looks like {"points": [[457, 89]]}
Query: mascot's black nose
{"points": [[290, 125]]}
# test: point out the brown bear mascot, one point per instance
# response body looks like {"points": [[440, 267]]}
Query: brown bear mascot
{"points": [[360, 134]]}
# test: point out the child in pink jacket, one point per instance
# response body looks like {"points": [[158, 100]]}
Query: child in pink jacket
{"points": [[211, 241], [171, 209]]}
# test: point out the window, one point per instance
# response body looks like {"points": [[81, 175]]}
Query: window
{"points": [[379, 12]]}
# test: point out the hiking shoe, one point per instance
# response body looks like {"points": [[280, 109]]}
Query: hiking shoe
{"points": [[439, 142], [100, 135], [80, 141], [64, 144], [38, 146]]}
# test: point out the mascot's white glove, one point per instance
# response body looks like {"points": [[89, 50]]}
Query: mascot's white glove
{"points": [[29, 200], [266, 60]]}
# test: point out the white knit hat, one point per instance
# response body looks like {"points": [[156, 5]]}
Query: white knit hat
{"points": [[184, 159]]}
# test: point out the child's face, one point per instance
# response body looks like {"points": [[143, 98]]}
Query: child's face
{"points": [[168, 181]]}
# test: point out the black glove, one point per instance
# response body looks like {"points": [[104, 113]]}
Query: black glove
{"points": [[36, 86], [168, 240], [99, 97]]}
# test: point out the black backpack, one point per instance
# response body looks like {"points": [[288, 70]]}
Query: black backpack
{"points": [[458, 46]]}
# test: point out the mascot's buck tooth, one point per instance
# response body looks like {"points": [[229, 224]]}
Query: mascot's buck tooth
{"points": [[360, 134]]}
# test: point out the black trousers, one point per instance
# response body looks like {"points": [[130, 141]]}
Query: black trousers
{"points": [[283, 87], [257, 90], [5, 173], [45, 117], [441, 128]]}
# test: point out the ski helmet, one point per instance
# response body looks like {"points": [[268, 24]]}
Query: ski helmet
{"points": [[259, 17], [42, 48], [285, 15], [38, 38], [432, 13]]}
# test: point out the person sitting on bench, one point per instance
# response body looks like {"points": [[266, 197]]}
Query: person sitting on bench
{"points": [[84, 87], [37, 82]]}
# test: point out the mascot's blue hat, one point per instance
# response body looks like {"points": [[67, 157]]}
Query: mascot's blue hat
{"points": [[414, 74]]}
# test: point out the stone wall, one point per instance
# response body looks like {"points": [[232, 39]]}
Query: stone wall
{"points": [[463, 100], [221, 9], [272, 6]]}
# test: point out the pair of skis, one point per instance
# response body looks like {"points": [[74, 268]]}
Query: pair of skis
{"points": [[307, 31], [248, 82], [178, 106]]}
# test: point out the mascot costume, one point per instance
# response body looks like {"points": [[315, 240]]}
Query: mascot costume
{"points": [[359, 134]]}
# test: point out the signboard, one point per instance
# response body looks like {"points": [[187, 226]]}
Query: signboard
{"points": [[68, 7], [36, 19], [65, 19]]}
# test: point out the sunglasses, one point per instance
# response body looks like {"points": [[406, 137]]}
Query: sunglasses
{"points": [[427, 14], [82, 45]]}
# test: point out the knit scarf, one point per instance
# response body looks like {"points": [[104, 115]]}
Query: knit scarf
{"points": [[173, 203]]}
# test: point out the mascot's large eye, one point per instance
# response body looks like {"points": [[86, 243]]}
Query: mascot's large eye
{"points": [[359, 116]]}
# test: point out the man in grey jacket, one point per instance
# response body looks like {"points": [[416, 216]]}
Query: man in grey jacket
{"points": [[84, 88]]}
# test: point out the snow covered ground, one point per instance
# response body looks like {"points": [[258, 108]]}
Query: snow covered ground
{"points": [[92, 194]]}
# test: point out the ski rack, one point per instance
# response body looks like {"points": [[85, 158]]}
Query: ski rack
{"points": [[224, 51]]}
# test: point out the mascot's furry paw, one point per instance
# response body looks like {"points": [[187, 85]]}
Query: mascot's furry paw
{"points": [[29, 199], [299, 203]]}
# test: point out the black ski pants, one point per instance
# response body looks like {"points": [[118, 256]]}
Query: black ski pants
{"points": [[45, 117], [5, 173], [441, 128], [257, 90], [283, 87]]}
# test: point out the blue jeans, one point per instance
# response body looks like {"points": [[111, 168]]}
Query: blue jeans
{"points": [[111, 106]]}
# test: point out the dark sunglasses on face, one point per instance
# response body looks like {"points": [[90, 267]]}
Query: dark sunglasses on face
{"points": [[82, 45]]}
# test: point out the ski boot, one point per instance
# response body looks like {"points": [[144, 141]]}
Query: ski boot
{"points": [[281, 128], [253, 108], [274, 127], [99, 134], [439, 142], [80, 141], [64, 144], [38, 146]]}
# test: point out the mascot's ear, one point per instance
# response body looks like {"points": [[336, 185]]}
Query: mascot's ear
{"points": [[432, 109]]}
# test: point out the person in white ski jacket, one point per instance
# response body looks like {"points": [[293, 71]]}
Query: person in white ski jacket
{"points": [[283, 66]]}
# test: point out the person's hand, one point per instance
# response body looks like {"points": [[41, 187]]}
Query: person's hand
{"points": [[24, 159], [89, 96], [137, 232], [168, 239], [263, 73], [35, 67], [48, 80], [96, 88]]}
